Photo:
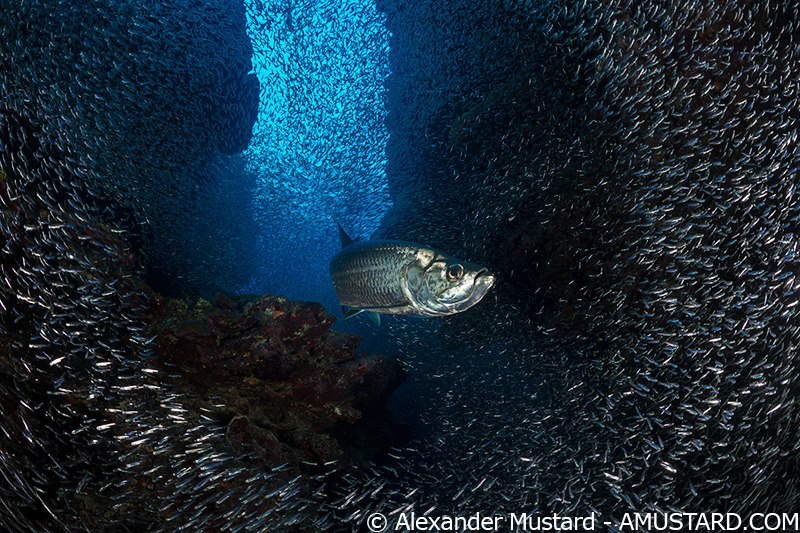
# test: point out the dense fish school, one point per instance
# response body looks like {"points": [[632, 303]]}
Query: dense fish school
{"points": [[626, 169]]}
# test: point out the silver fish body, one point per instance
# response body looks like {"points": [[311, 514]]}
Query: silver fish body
{"points": [[396, 277], [369, 274]]}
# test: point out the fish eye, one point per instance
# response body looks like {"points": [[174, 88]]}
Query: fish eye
{"points": [[454, 272]]}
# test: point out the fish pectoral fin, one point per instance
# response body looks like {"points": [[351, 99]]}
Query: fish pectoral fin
{"points": [[350, 312], [375, 317], [372, 312]]}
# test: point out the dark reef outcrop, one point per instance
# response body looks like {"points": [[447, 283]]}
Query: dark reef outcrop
{"points": [[119, 127], [628, 168], [69, 302], [124, 409], [133, 89], [290, 386], [153, 100]]}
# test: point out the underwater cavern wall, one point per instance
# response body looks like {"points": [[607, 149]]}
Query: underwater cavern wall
{"points": [[153, 116], [121, 127], [629, 169], [626, 168]]}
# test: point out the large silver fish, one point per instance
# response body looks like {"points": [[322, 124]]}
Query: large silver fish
{"points": [[403, 278]]}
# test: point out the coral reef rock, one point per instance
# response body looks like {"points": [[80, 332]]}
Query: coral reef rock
{"points": [[288, 384], [124, 410]]}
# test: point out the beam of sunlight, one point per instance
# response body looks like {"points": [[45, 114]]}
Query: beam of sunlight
{"points": [[319, 143]]}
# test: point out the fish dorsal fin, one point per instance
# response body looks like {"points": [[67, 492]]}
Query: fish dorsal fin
{"points": [[344, 237]]}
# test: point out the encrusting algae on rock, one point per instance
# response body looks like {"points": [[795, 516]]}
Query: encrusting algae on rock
{"points": [[273, 369]]}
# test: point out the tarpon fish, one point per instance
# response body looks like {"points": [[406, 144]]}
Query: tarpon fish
{"points": [[403, 278]]}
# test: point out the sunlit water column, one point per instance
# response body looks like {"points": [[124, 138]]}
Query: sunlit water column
{"points": [[319, 143]]}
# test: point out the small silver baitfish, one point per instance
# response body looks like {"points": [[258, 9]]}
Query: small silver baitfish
{"points": [[403, 278]]}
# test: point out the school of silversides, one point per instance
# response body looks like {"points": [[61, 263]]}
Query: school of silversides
{"points": [[622, 333]]}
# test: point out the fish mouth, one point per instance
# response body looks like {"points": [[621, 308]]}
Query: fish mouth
{"points": [[484, 277], [481, 284]]}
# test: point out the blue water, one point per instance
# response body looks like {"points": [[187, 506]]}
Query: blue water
{"points": [[319, 141]]}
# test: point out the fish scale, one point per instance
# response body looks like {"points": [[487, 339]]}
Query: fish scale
{"points": [[367, 275]]}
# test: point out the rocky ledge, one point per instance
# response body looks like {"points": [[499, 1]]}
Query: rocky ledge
{"points": [[288, 388]]}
